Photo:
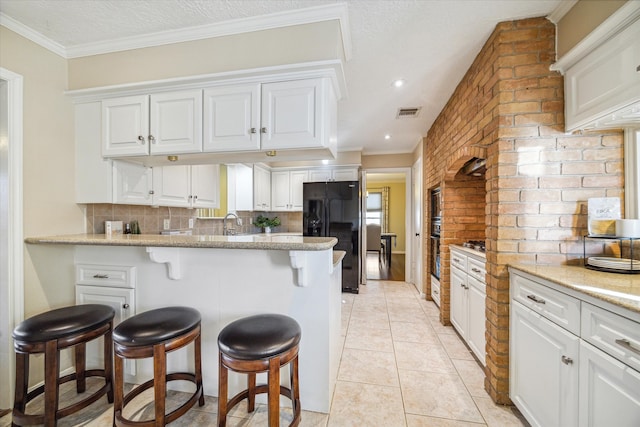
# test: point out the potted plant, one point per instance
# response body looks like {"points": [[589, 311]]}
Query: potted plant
{"points": [[267, 223]]}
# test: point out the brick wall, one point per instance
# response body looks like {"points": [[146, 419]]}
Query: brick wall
{"points": [[508, 108]]}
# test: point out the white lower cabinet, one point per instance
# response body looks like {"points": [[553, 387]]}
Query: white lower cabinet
{"points": [[467, 299], [572, 363], [108, 285]]}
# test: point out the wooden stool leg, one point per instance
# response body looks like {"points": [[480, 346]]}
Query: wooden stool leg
{"points": [[198, 351], [118, 388], [108, 362], [295, 386], [81, 357], [160, 382], [274, 392], [251, 388], [223, 396], [51, 375], [22, 381]]}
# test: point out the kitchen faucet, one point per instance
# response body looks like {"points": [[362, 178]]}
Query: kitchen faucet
{"points": [[231, 231]]}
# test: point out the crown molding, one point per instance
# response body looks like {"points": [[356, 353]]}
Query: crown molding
{"points": [[618, 21], [565, 6], [338, 11], [26, 32]]}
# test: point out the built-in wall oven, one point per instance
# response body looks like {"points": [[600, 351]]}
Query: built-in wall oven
{"points": [[434, 243]]}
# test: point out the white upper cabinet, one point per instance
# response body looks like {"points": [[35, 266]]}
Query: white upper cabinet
{"points": [[293, 114], [132, 183], [167, 123], [286, 189], [261, 188], [337, 174], [232, 118], [205, 186], [186, 186]]}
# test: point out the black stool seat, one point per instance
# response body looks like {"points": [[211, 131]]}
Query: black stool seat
{"points": [[255, 344], [259, 337], [63, 322], [155, 326]]}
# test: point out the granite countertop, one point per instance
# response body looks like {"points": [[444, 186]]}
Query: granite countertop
{"points": [[276, 241], [337, 257], [620, 289], [470, 251]]}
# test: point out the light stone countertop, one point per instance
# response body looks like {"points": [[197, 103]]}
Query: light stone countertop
{"points": [[622, 290], [275, 241], [337, 257]]}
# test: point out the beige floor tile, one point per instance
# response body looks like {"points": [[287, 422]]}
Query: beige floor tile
{"points": [[370, 303], [369, 367], [423, 357], [472, 376], [369, 319], [430, 308], [414, 315], [439, 327], [422, 421], [361, 405], [365, 338], [437, 395], [497, 415], [413, 332], [456, 349]]}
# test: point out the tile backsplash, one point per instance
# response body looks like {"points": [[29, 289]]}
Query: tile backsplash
{"points": [[151, 219]]}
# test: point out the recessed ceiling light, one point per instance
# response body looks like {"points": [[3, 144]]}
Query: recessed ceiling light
{"points": [[325, 161], [398, 83], [387, 136]]}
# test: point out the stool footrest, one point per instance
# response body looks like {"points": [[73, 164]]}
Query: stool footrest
{"points": [[198, 395], [260, 389]]}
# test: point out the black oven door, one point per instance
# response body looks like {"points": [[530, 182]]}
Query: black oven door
{"points": [[434, 252]]}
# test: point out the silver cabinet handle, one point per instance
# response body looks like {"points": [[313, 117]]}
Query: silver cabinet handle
{"points": [[475, 270], [536, 299], [125, 306], [627, 344], [100, 276], [141, 139], [253, 130], [567, 360], [435, 292], [263, 130], [152, 139], [456, 260]]}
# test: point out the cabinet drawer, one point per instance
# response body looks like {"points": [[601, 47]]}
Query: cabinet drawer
{"points": [[476, 269], [612, 333], [435, 290], [459, 260], [117, 276], [560, 308]]}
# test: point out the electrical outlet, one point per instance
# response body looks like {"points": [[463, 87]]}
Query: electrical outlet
{"points": [[167, 224], [240, 221], [190, 222], [250, 220]]}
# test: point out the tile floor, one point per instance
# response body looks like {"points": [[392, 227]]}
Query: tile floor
{"points": [[399, 367]]}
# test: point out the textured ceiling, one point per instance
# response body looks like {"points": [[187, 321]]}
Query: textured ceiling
{"points": [[429, 43]]}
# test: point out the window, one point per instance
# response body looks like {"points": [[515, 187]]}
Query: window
{"points": [[378, 207]]}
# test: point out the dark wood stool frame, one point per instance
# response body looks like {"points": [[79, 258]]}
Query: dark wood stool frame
{"points": [[51, 386], [273, 388], [160, 377]]}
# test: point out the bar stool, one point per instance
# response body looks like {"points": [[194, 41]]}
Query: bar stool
{"points": [[261, 343], [155, 333], [49, 333]]}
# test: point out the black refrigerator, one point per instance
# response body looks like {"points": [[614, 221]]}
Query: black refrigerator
{"points": [[333, 209]]}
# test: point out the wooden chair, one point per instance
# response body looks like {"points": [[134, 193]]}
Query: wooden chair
{"points": [[374, 242]]}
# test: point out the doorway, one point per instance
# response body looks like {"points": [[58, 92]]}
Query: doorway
{"points": [[11, 246], [387, 199]]}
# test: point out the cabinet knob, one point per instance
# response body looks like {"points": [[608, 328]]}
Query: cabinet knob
{"points": [[125, 306], [253, 130], [567, 360], [417, 234], [151, 192], [263, 130], [141, 139], [152, 139]]}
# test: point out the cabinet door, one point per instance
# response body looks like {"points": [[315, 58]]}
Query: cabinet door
{"points": [[320, 175], [291, 114], [261, 189], [296, 179], [132, 183], [123, 302], [176, 122], [477, 318], [171, 186], [125, 126], [205, 186], [543, 370], [232, 118], [609, 392], [459, 301], [345, 174], [94, 174], [280, 191]]}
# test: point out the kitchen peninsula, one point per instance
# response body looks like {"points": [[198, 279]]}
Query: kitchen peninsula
{"points": [[225, 278]]}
